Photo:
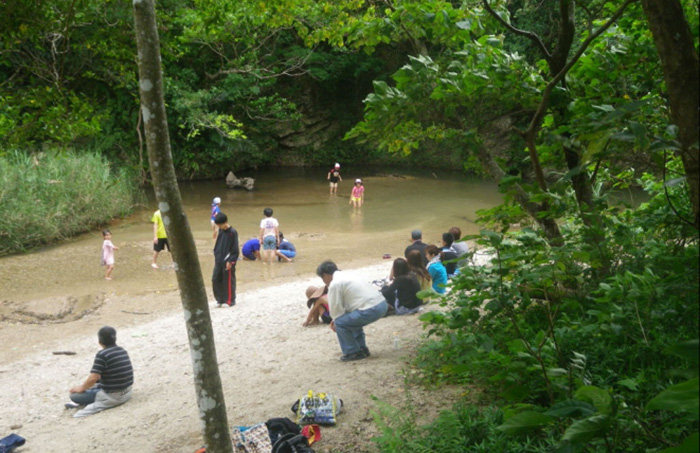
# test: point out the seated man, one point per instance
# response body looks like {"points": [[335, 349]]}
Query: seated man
{"points": [[417, 244], [110, 379], [353, 304], [251, 249]]}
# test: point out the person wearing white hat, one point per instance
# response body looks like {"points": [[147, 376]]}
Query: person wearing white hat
{"points": [[215, 209], [357, 196], [334, 177]]}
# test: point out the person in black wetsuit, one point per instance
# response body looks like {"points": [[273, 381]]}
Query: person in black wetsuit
{"points": [[225, 256]]}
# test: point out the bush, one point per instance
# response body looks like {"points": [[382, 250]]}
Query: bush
{"points": [[465, 428], [49, 196], [564, 337]]}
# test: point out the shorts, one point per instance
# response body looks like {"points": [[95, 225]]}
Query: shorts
{"points": [[355, 198], [161, 244], [269, 243], [288, 253], [250, 257]]}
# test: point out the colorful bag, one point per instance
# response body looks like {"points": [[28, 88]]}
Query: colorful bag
{"points": [[254, 439], [317, 408]]}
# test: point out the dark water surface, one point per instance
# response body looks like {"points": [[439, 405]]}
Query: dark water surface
{"points": [[320, 225]]}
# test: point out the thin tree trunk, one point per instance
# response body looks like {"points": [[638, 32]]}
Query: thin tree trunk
{"points": [[210, 398], [679, 61]]}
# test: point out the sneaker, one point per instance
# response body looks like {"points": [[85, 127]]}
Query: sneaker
{"points": [[72, 405], [219, 305], [154, 265], [366, 351], [359, 355]]}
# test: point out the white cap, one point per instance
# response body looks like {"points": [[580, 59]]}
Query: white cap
{"points": [[358, 180], [217, 200], [337, 165]]}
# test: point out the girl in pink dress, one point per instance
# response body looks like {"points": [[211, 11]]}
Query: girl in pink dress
{"points": [[357, 195], [108, 253]]}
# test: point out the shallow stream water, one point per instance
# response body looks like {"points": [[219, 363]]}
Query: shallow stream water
{"points": [[320, 225]]}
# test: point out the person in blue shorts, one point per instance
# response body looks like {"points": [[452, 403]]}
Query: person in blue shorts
{"points": [[215, 209], [286, 250], [251, 249]]}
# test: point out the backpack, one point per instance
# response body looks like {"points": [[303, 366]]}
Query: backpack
{"points": [[278, 427], [292, 443]]}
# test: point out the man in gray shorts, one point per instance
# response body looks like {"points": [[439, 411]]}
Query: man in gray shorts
{"points": [[110, 379]]}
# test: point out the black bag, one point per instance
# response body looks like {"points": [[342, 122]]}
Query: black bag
{"points": [[292, 443], [278, 427]]}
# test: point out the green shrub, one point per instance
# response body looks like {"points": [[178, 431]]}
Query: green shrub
{"points": [[49, 196], [565, 337], [465, 428]]}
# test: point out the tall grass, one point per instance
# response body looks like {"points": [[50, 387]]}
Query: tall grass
{"points": [[49, 196]]}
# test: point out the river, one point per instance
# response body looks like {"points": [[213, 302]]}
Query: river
{"points": [[320, 225]]}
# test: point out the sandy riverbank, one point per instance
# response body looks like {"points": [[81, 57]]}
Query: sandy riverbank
{"points": [[267, 360]]}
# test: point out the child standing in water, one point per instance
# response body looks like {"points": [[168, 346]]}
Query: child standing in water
{"points": [[334, 177], [358, 194], [108, 253]]}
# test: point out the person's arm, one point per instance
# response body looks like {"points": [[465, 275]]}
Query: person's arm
{"points": [[233, 250], [277, 235], [155, 231], [260, 239], [91, 380], [329, 174]]}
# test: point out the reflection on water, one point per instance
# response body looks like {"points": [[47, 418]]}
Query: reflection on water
{"points": [[321, 226]]}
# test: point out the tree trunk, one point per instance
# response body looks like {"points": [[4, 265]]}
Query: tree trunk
{"points": [[210, 398], [501, 127], [679, 62]]}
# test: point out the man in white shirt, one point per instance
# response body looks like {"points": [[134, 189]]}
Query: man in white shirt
{"points": [[353, 304]]}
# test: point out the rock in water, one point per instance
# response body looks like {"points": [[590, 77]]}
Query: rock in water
{"points": [[232, 182]]}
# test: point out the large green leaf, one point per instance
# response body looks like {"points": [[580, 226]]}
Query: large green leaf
{"points": [[600, 398], [524, 422], [689, 350], [584, 430], [681, 397], [691, 444], [571, 408]]}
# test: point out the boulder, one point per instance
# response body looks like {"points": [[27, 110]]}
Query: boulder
{"points": [[233, 182]]}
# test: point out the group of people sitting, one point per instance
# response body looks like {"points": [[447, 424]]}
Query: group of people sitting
{"points": [[434, 264], [423, 267]]}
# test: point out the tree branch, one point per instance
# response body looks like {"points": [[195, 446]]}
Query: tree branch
{"points": [[528, 34]]}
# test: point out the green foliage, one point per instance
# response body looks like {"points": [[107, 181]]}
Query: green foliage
{"points": [[464, 428], [588, 349], [50, 196]]}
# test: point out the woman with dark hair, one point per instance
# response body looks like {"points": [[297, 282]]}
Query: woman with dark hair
{"points": [[436, 269], [416, 265], [401, 295]]}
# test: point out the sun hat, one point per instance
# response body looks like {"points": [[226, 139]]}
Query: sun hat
{"points": [[313, 293], [337, 165], [358, 180], [217, 200]]}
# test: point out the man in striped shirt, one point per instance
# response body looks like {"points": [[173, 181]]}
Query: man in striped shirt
{"points": [[110, 379]]}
